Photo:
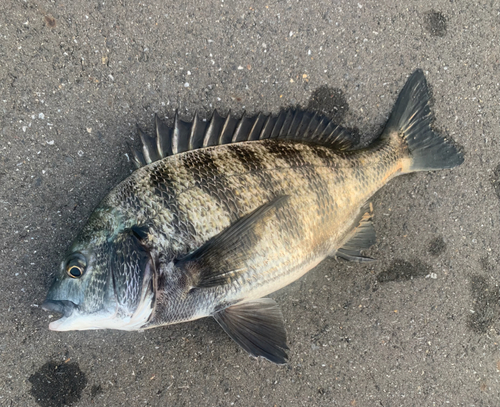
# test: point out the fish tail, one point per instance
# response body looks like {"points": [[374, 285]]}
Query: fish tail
{"points": [[410, 121]]}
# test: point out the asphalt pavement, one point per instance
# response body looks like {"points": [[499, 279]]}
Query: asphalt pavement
{"points": [[419, 327]]}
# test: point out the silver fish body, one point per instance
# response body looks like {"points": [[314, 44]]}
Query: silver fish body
{"points": [[221, 214]]}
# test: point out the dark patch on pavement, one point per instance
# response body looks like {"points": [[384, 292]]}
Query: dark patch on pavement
{"points": [[50, 21], [436, 246], [330, 102], [95, 391], [401, 270], [37, 181], [435, 23], [495, 180], [486, 265], [486, 299], [57, 384]]}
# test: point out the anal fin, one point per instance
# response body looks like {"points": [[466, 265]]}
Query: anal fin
{"points": [[362, 237], [257, 326]]}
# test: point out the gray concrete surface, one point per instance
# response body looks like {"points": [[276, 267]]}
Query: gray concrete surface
{"points": [[418, 328]]}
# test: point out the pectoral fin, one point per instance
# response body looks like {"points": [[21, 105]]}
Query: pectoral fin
{"points": [[224, 256], [362, 237], [257, 326]]}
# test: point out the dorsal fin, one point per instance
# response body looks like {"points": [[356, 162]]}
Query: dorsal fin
{"points": [[290, 124]]}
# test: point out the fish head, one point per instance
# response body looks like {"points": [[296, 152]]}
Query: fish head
{"points": [[105, 281]]}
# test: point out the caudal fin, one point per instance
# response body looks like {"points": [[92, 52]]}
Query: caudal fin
{"points": [[411, 119]]}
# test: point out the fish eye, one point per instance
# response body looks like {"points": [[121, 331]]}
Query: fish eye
{"points": [[75, 265], [75, 271]]}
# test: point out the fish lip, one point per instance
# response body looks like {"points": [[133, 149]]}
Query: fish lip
{"points": [[63, 307]]}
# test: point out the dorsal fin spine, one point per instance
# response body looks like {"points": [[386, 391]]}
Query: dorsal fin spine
{"points": [[163, 138], [138, 158], [286, 124], [333, 136], [319, 130], [256, 128], [292, 124], [198, 129], [295, 124], [175, 135], [236, 133], [327, 132], [310, 131], [278, 124], [194, 124], [211, 132], [150, 152], [227, 129], [305, 116], [266, 129]]}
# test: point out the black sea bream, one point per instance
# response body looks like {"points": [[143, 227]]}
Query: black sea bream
{"points": [[223, 212]]}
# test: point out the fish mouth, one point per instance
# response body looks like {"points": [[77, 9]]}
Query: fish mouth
{"points": [[63, 307]]}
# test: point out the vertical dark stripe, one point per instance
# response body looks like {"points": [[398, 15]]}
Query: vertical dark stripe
{"points": [[267, 181], [163, 188], [324, 154], [335, 159], [208, 177], [285, 151], [255, 165], [316, 185], [247, 157]]}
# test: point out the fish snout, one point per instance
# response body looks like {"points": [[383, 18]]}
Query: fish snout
{"points": [[63, 307]]}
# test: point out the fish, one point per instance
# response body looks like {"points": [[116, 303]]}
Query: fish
{"points": [[220, 213]]}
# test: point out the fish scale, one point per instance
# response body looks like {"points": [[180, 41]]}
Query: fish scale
{"points": [[308, 187], [282, 167], [221, 213]]}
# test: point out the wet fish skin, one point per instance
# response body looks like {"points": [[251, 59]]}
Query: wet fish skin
{"points": [[292, 237], [210, 231]]}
